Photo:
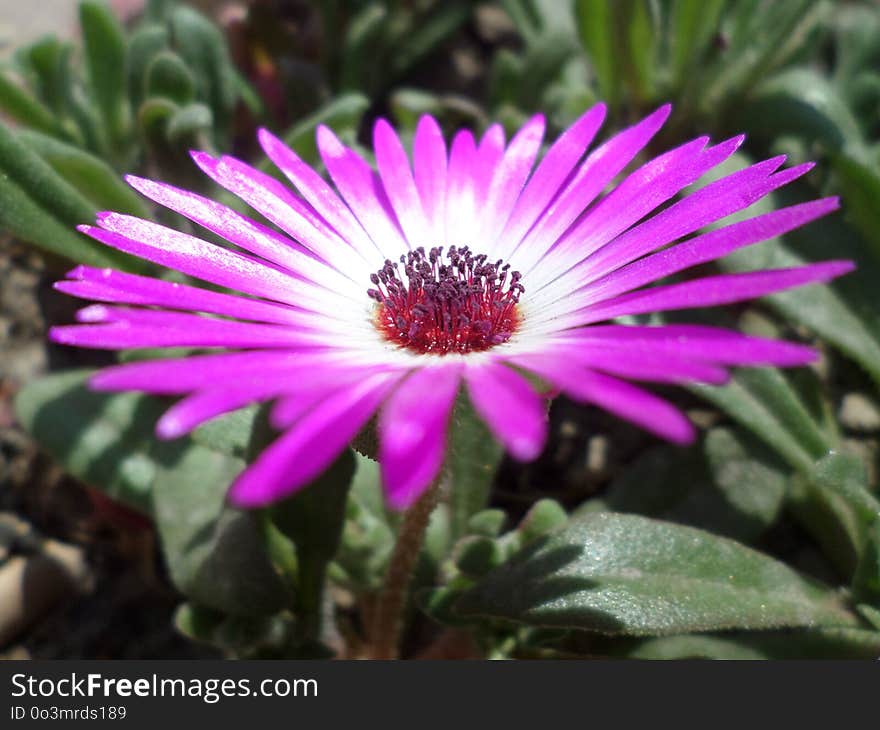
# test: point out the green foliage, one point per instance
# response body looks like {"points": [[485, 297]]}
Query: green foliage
{"points": [[759, 541], [473, 460], [313, 521], [730, 484], [623, 574], [102, 440]]}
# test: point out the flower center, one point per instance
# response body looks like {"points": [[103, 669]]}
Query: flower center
{"points": [[461, 305]]}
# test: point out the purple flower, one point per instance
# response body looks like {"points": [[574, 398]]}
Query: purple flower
{"points": [[467, 269]]}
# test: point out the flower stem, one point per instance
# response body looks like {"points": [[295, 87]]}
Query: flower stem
{"points": [[388, 618]]}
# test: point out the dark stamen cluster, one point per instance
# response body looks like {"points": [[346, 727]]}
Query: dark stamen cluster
{"points": [[462, 305]]}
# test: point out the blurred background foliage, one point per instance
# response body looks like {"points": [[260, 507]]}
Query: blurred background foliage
{"points": [[782, 486]]}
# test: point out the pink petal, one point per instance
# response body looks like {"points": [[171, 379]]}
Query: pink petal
{"points": [[108, 285], [510, 406], [489, 152], [291, 370], [591, 178], [713, 290], [707, 247], [241, 231], [399, 184], [319, 195], [710, 344], [307, 449], [290, 213], [192, 411], [412, 432], [111, 328], [461, 189], [291, 408], [362, 189], [644, 364], [311, 385], [304, 387], [737, 192], [178, 376], [508, 180], [616, 396], [616, 213], [203, 260], [551, 174], [429, 166]]}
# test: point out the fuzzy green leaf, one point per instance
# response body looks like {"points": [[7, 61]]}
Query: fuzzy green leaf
{"points": [[18, 104], [623, 574], [764, 402], [90, 175], [730, 484], [143, 46], [215, 554], [105, 51], [168, 76], [202, 46], [595, 20], [474, 456], [103, 440]]}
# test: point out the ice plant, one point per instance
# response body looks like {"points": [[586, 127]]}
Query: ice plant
{"points": [[470, 267]]}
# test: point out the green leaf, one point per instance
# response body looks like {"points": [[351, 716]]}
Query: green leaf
{"points": [[215, 554], [202, 46], [367, 537], [541, 65], [188, 121], [143, 46], [248, 637], [821, 643], [475, 556], [313, 517], [90, 175], [866, 581], [103, 440], [153, 116], [731, 484], [764, 402], [762, 37], [505, 76], [545, 516], [105, 52], [473, 459], [428, 33], [38, 205], [48, 60], [21, 107], [693, 23], [623, 574], [230, 433], [487, 523], [845, 476], [595, 19], [801, 102], [363, 34], [637, 28], [313, 520], [23, 218], [833, 503], [860, 188], [167, 76], [25, 168], [525, 17]]}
